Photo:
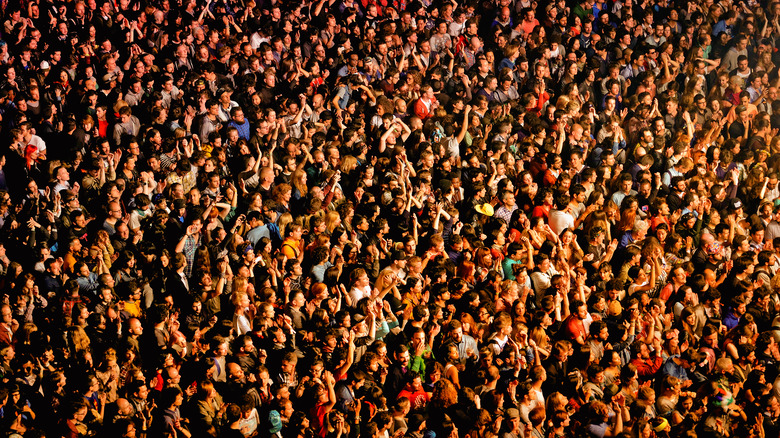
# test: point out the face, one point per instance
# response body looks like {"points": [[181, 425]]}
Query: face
{"points": [[403, 358], [418, 339]]}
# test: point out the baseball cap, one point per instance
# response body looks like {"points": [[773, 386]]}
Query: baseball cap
{"points": [[614, 308]]}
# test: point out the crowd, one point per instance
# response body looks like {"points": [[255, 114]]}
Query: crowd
{"points": [[389, 218]]}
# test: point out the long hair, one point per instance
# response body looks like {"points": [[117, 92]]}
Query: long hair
{"points": [[444, 394], [298, 183], [29, 151]]}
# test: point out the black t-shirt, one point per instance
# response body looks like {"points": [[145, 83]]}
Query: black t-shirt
{"points": [[737, 129]]}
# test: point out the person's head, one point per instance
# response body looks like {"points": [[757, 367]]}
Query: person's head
{"points": [[402, 355], [579, 309], [171, 397]]}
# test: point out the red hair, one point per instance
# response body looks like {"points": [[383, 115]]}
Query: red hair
{"points": [[28, 153]]}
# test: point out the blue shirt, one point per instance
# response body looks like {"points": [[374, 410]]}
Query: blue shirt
{"points": [[318, 271], [255, 234], [618, 196], [731, 320], [88, 284], [721, 26], [626, 240], [506, 63], [243, 130], [670, 368]]}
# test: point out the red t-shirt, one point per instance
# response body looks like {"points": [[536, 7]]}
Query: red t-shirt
{"points": [[417, 399], [317, 415], [574, 328]]}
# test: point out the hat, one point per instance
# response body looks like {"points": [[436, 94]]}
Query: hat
{"points": [[108, 77], [45, 65], [357, 318], [90, 165], [178, 204], [157, 198], [274, 422], [399, 255], [722, 398], [609, 392], [614, 308], [713, 248], [736, 204], [512, 413], [485, 209]]}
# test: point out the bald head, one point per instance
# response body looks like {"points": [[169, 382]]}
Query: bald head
{"points": [[710, 276], [172, 373], [136, 329], [124, 407], [234, 371]]}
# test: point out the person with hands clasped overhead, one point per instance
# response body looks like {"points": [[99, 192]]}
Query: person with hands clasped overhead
{"points": [[326, 400]]}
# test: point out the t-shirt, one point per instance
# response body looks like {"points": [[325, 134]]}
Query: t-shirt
{"points": [[317, 416], [597, 430], [248, 425], [574, 328], [417, 399], [560, 220], [672, 369], [358, 294]]}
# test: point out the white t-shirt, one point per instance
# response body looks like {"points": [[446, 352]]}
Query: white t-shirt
{"points": [[358, 294], [38, 142], [560, 220]]}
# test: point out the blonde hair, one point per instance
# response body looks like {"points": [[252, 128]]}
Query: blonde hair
{"points": [[562, 101], [331, 218], [284, 220], [348, 164], [238, 296], [240, 285]]}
